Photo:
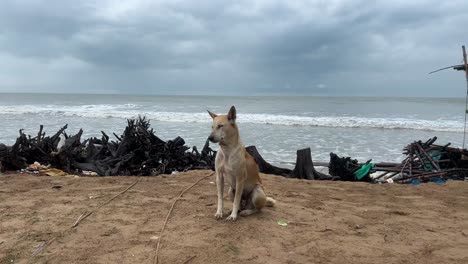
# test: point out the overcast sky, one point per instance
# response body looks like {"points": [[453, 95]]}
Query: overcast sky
{"points": [[233, 47]]}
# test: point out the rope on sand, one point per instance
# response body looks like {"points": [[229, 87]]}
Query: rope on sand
{"points": [[156, 256]]}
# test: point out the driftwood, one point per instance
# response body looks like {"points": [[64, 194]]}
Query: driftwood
{"points": [[426, 161], [304, 168], [264, 166], [138, 151]]}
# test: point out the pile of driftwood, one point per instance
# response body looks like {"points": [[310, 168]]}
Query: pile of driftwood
{"points": [[425, 162], [138, 151], [340, 169]]}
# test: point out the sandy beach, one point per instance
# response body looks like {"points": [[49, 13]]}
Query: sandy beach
{"points": [[328, 222]]}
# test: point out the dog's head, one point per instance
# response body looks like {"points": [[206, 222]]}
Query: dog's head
{"points": [[223, 127]]}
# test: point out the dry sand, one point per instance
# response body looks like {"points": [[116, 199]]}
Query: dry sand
{"points": [[329, 222]]}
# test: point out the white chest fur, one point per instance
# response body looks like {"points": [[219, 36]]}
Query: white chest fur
{"points": [[230, 162]]}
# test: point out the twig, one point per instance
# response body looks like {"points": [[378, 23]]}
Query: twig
{"points": [[189, 259], [42, 246], [156, 256], [83, 217], [78, 220], [299, 223], [404, 166]]}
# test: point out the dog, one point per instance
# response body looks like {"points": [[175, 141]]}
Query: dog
{"points": [[235, 165]]}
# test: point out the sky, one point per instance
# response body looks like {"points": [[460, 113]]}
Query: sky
{"points": [[267, 47]]}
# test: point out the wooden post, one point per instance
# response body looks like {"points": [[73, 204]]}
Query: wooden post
{"points": [[305, 167], [466, 63], [466, 103], [264, 166]]}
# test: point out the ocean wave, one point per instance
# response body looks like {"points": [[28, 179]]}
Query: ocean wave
{"points": [[130, 111]]}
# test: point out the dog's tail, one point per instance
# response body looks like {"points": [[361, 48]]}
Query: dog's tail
{"points": [[270, 202]]}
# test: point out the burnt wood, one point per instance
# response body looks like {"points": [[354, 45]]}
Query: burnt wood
{"points": [[264, 166], [304, 168], [138, 151]]}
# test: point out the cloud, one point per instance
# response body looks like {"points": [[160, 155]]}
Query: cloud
{"points": [[232, 47]]}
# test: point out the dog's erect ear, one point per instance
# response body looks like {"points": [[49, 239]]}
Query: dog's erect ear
{"points": [[232, 114], [213, 115]]}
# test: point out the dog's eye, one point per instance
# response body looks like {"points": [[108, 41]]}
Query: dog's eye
{"points": [[220, 126]]}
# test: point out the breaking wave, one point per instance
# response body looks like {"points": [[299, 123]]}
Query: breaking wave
{"points": [[131, 111]]}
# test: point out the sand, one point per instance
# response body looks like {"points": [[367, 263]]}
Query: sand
{"points": [[329, 222]]}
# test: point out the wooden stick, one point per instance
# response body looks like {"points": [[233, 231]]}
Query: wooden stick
{"points": [[420, 159], [392, 170], [427, 156], [392, 175], [299, 223], [83, 217], [42, 246], [189, 259], [41, 127], [411, 158], [156, 256], [79, 218], [466, 103], [381, 175]]}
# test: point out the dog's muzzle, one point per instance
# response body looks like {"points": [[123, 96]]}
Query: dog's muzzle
{"points": [[212, 139]]}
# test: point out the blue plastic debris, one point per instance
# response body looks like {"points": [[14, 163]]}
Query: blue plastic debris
{"points": [[415, 182], [438, 180]]}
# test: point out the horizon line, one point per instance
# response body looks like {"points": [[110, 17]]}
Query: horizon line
{"points": [[230, 95]]}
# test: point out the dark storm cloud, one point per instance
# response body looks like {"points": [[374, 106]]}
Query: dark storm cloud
{"points": [[232, 47]]}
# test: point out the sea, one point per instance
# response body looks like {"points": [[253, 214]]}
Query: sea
{"points": [[363, 128]]}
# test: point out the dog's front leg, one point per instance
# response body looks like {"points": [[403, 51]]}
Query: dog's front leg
{"points": [[220, 188], [237, 200]]}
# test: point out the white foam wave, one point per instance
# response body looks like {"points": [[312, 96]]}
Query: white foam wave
{"points": [[131, 111]]}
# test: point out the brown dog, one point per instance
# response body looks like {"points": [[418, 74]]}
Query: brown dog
{"points": [[234, 164]]}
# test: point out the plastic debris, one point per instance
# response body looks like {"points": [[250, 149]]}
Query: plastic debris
{"points": [[42, 170], [364, 170], [36, 166], [437, 180], [89, 173], [415, 182], [282, 223], [53, 172]]}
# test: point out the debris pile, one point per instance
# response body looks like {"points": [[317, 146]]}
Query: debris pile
{"points": [[42, 170], [138, 151], [425, 162], [345, 168]]}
